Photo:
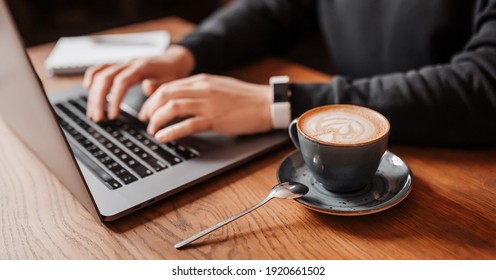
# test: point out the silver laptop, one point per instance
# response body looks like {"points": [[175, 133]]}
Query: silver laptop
{"points": [[113, 168]]}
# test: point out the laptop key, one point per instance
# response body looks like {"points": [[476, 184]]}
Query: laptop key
{"points": [[156, 164], [120, 172], [96, 152], [168, 156], [78, 106], [127, 178], [142, 171], [181, 150]]}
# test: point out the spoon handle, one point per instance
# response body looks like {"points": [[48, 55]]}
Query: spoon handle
{"points": [[226, 221]]}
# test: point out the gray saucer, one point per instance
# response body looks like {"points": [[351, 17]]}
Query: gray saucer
{"points": [[391, 184]]}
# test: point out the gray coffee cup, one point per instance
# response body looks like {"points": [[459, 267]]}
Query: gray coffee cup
{"points": [[341, 167]]}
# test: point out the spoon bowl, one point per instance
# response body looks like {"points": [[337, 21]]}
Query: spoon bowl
{"points": [[289, 190]]}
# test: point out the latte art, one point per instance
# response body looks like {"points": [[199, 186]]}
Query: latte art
{"points": [[343, 125]]}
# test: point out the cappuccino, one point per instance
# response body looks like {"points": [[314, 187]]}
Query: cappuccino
{"points": [[343, 125]]}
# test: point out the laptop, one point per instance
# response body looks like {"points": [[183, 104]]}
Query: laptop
{"points": [[113, 168]]}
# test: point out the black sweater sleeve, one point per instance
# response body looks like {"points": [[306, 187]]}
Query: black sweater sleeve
{"points": [[247, 29], [450, 105]]}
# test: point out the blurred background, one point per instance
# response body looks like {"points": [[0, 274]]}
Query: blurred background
{"points": [[42, 21]]}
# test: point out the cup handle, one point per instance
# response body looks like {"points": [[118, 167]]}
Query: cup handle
{"points": [[293, 133]]}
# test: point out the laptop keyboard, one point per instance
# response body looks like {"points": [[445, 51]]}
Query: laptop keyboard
{"points": [[122, 153]]}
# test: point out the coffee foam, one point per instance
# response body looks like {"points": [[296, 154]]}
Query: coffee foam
{"points": [[342, 124]]}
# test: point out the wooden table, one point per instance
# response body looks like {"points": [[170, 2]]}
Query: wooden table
{"points": [[450, 214]]}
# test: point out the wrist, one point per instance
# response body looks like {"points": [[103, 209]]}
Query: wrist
{"points": [[184, 61]]}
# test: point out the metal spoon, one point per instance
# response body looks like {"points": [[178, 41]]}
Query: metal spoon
{"points": [[289, 190]]}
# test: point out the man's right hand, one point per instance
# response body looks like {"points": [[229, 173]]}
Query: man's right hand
{"points": [[176, 62]]}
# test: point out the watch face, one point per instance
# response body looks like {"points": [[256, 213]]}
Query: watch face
{"points": [[280, 87], [281, 92]]}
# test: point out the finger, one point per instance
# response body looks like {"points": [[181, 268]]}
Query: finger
{"points": [[183, 129], [164, 94], [191, 80], [173, 109], [90, 73], [150, 85], [122, 82], [99, 90]]}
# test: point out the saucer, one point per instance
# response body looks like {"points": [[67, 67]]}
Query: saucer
{"points": [[391, 184]]}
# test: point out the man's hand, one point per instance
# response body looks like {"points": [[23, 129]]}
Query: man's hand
{"points": [[176, 62], [216, 103]]}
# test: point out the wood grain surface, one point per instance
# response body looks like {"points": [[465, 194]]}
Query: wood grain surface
{"points": [[450, 214]]}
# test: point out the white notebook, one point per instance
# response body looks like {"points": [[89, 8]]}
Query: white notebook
{"points": [[73, 55]]}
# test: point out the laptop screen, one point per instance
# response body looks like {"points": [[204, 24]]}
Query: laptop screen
{"points": [[25, 109]]}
